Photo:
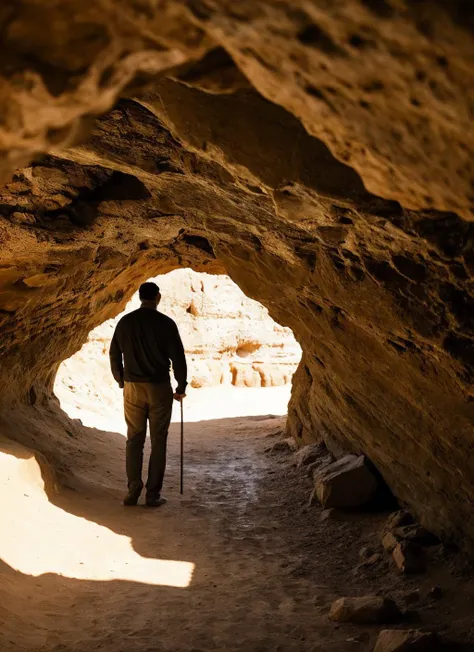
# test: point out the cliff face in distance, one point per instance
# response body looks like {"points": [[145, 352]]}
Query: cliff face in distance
{"points": [[320, 153]]}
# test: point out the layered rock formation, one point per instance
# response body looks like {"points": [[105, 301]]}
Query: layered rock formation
{"points": [[229, 339], [318, 152]]}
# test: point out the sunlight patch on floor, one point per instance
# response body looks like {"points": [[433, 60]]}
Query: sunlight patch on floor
{"points": [[39, 537]]}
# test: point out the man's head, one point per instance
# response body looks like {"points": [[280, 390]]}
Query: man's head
{"points": [[149, 293]]}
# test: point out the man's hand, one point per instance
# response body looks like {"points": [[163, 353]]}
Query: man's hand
{"points": [[178, 397], [121, 384]]}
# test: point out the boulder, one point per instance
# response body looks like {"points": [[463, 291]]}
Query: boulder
{"points": [[393, 640], [366, 610], [347, 483]]}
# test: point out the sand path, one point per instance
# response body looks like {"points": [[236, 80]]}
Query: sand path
{"points": [[228, 566], [238, 563]]}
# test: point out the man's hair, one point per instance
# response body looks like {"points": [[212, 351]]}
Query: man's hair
{"points": [[148, 291]]}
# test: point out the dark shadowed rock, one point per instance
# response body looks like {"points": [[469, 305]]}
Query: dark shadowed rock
{"points": [[436, 592], [399, 519], [417, 534]]}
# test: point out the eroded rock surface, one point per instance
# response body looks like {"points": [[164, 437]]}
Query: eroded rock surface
{"points": [[319, 153]]}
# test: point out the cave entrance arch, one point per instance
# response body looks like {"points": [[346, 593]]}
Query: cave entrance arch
{"points": [[240, 360]]}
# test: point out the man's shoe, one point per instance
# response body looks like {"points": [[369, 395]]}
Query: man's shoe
{"points": [[131, 499], [155, 502]]}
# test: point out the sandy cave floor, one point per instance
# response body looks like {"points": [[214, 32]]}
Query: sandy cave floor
{"points": [[240, 562]]}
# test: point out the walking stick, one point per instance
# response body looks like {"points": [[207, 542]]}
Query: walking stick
{"points": [[181, 483]]}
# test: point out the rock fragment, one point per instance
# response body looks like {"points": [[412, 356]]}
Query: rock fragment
{"points": [[436, 592], [393, 640], [346, 483], [310, 454], [412, 597], [399, 519], [389, 541], [321, 463], [408, 558], [287, 445], [332, 514], [366, 610], [416, 533]]}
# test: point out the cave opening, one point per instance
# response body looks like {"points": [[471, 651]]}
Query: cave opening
{"points": [[240, 361]]}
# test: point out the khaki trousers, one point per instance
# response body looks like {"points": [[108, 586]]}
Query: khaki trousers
{"points": [[153, 403]]}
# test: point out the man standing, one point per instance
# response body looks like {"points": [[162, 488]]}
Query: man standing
{"points": [[144, 343]]}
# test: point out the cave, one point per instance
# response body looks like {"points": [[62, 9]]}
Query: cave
{"points": [[320, 154], [231, 345]]}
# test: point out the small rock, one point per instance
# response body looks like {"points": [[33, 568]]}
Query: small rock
{"points": [[346, 483], [408, 558], [332, 515], [365, 552], [283, 446], [366, 610], [389, 541], [417, 534], [309, 454], [373, 559], [393, 640], [398, 519], [319, 464], [412, 597], [436, 592]]}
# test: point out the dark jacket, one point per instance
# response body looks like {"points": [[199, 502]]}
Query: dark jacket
{"points": [[144, 343]]}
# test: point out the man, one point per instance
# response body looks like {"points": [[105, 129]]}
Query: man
{"points": [[144, 343]]}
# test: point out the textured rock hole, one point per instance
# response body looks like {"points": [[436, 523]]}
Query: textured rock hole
{"points": [[315, 37], [246, 349]]}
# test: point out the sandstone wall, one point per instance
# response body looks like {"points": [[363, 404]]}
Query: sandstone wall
{"points": [[228, 338], [320, 153]]}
